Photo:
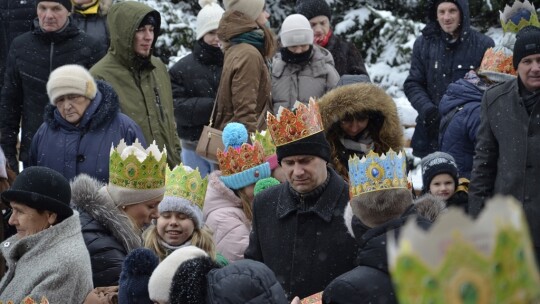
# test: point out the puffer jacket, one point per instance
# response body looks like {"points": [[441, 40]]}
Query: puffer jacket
{"points": [[85, 148], [292, 82], [94, 23], [32, 57], [223, 213], [347, 58], [107, 231], [143, 86], [436, 62]]}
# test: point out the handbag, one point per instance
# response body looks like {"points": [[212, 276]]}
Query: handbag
{"points": [[210, 140]]}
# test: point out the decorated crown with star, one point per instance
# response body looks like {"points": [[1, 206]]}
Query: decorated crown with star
{"points": [[289, 126], [135, 167], [373, 172], [519, 15], [186, 183], [461, 260]]}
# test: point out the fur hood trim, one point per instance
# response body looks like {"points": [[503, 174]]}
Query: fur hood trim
{"points": [[85, 198]]}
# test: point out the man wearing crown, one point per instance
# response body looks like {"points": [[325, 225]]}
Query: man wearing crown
{"points": [[297, 228]]}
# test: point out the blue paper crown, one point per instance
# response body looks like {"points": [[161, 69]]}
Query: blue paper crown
{"points": [[374, 173]]}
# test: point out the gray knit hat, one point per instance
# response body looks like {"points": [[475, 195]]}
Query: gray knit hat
{"points": [[182, 205], [438, 163]]}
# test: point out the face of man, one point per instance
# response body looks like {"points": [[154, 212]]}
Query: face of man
{"points": [[449, 18], [529, 72], [52, 16], [320, 26], [142, 42], [304, 172]]}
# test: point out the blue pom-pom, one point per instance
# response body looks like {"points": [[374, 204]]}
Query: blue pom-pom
{"points": [[234, 135], [140, 261]]}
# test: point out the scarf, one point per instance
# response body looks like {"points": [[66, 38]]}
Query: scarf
{"points": [[207, 54], [363, 144], [324, 40], [290, 57], [255, 38], [92, 9]]}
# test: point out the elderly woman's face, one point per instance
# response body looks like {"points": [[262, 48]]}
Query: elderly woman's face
{"points": [[143, 213], [28, 220], [72, 107]]}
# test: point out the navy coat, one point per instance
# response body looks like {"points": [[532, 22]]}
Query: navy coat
{"points": [[72, 150]]}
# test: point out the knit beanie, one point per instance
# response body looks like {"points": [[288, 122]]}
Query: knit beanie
{"points": [[159, 285], [313, 8], [315, 144], [136, 271], [65, 3], [149, 19], [296, 30], [264, 184], [70, 79], [250, 8], [208, 18], [189, 284], [438, 163], [527, 43]]}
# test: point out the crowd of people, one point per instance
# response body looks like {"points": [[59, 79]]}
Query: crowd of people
{"points": [[113, 204]]}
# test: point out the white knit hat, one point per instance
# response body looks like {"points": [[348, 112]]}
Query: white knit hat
{"points": [[70, 79], [208, 18], [296, 30], [250, 8]]}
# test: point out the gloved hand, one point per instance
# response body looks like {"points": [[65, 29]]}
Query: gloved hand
{"points": [[432, 117]]}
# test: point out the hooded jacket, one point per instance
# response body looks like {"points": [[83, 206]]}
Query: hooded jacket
{"points": [[85, 148], [292, 82], [360, 98], [437, 61], [143, 86], [107, 231], [95, 23], [244, 93]]}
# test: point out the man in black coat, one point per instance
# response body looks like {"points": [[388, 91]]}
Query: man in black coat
{"points": [[53, 42], [297, 228]]}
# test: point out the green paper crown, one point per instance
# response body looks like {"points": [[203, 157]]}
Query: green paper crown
{"points": [[136, 168], [186, 183], [266, 141], [510, 26]]}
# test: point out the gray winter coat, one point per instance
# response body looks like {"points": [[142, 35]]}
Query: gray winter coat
{"points": [[53, 263], [292, 82]]}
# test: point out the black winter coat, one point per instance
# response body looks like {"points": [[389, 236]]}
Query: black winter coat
{"points": [[303, 238], [347, 58], [32, 57], [95, 25], [436, 62], [195, 80]]}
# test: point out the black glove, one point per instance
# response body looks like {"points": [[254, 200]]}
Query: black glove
{"points": [[432, 117]]}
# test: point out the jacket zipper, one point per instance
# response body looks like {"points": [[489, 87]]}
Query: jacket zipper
{"points": [[158, 102], [51, 57]]}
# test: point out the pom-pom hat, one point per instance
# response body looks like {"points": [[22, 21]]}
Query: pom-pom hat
{"points": [[70, 79], [208, 17], [136, 271]]}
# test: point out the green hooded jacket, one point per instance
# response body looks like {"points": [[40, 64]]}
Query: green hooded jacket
{"points": [[143, 86]]}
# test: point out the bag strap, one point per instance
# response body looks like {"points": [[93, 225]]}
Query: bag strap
{"points": [[445, 121], [212, 115]]}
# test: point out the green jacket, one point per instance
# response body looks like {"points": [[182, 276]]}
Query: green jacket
{"points": [[143, 86]]}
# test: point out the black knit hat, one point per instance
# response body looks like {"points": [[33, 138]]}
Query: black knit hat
{"points": [[149, 19], [65, 3], [41, 188], [136, 271], [438, 163], [313, 8], [315, 144], [527, 43], [189, 282]]}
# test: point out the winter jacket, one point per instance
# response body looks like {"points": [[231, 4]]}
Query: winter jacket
{"points": [[292, 82], [507, 149], [52, 263], [85, 148], [384, 126], [107, 231], [95, 23], [143, 86], [32, 57], [195, 80], [347, 58], [223, 213], [244, 93], [302, 238], [436, 62], [460, 135]]}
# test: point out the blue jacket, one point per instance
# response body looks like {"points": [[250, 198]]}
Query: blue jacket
{"points": [[436, 62], [72, 150], [460, 136]]}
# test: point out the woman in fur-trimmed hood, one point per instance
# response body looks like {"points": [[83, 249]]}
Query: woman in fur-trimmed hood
{"points": [[358, 118]]}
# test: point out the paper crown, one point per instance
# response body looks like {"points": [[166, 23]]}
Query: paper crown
{"points": [[497, 64], [289, 126], [186, 183], [374, 172], [518, 16], [137, 168], [239, 155], [266, 142], [459, 260]]}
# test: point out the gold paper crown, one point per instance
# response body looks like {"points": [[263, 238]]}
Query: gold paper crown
{"points": [[186, 183], [459, 260], [266, 141], [136, 168], [294, 125], [374, 173], [497, 60], [236, 160], [526, 13]]}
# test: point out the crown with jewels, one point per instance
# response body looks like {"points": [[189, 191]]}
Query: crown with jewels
{"points": [[460, 260], [497, 61], [137, 168], [236, 160], [518, 16], [374, 172], [186, 183], [289, 126]]}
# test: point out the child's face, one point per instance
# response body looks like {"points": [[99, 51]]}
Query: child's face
{"points": [[442, 186], [355, 126], [174, 228]]}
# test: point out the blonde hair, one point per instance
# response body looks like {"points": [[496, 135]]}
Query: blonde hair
{"points": [[246, 203]]}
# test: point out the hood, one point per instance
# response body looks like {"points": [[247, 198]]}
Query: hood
{"points": [[460, 93], [218, 195], [123, 20], [433, 27], [234, 23]]}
